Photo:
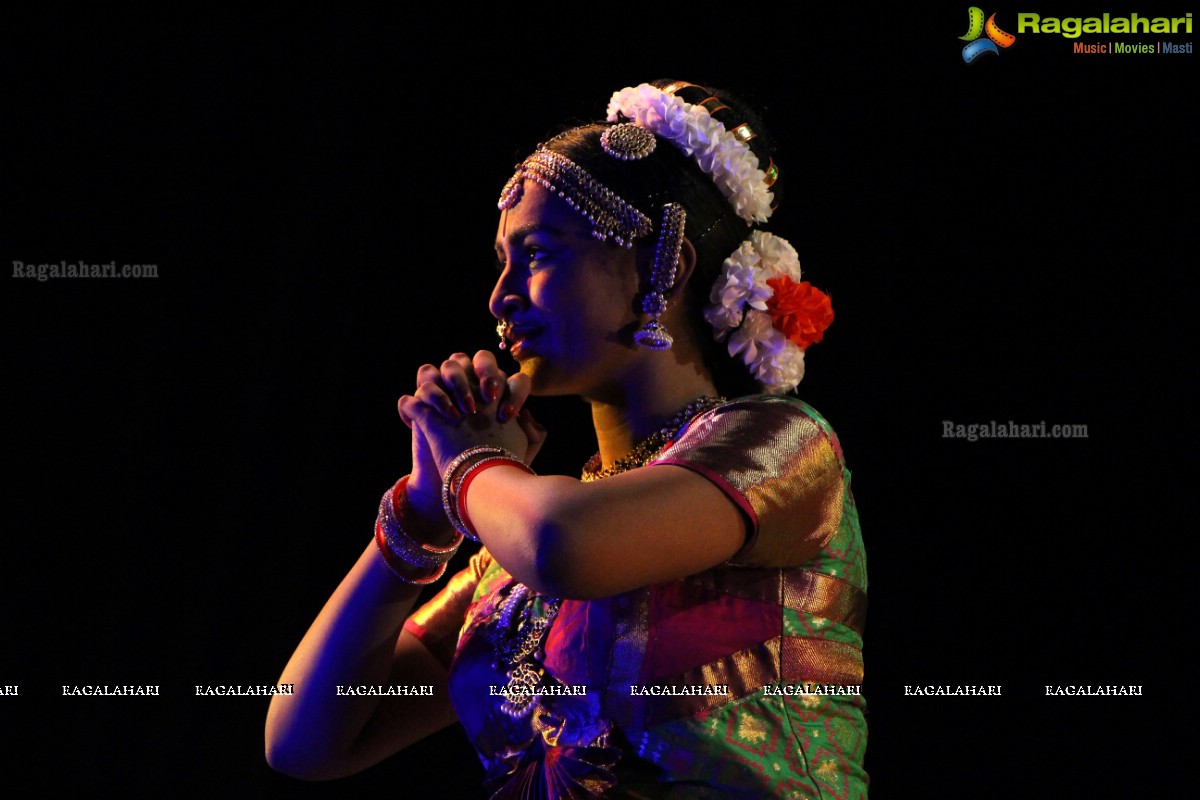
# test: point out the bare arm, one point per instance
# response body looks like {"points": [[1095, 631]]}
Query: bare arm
{"points": [[560, 535], [589, 540], [316, 734], [357, 639]]}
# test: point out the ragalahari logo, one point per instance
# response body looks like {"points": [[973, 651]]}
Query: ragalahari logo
{"points": [[996, 38]]}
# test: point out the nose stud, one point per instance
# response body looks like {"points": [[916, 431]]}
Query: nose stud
{"points": [[502, 328]]}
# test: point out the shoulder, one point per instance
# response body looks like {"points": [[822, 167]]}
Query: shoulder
{"points": [[777, 421], [779, 460]]}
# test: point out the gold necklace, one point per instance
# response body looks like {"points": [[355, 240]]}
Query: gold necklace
{"points": [[648, 448]]}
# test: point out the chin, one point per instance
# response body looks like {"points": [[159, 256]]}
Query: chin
{"points": [[545, 380]]}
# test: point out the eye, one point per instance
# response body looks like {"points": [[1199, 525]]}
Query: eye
{"points": [[499, 265], [536, 256]]}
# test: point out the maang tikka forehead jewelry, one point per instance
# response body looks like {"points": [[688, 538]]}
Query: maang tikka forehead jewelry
{"points": [[611, 217], [628, 142]]}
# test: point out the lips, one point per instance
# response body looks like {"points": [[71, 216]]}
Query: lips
{"points": [[520, 337]]}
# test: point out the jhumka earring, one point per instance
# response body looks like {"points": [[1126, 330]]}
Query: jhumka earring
{"points": [[654, 335]]}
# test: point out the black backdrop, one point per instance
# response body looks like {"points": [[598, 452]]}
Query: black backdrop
{"points": [[193, 461]]}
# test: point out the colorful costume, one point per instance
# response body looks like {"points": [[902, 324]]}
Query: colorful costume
{"points": [[741, 681]]}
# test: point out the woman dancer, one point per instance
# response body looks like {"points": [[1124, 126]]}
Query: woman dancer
{"points": [[685, 618]]}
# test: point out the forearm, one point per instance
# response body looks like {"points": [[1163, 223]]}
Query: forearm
{"points": [[584, 541], [317, 733]]}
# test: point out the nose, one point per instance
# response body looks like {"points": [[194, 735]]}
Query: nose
{"points": [[508, 296]]}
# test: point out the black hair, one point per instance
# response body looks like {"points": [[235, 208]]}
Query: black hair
{"points": [[713, 227]]}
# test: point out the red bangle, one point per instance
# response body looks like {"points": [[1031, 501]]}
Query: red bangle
{"points": [[398, 497], [457, 475], [460, 502]]}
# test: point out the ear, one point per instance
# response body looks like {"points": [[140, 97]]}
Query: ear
{"points": [[684, 269]]}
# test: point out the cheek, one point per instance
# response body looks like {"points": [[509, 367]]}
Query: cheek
{"points": [[606, 308], [588, 308], [579, 303]]}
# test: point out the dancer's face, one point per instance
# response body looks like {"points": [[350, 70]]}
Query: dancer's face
{"points": [[570, 298]]}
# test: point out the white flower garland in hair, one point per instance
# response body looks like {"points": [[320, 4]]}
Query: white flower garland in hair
{"points": [[767, 314], [732, 165]]}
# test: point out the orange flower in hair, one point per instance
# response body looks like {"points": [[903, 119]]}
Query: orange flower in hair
{"points": [[800, 311], [765, 312]]}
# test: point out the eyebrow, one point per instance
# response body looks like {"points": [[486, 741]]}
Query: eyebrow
{"points": [[518, 234]]}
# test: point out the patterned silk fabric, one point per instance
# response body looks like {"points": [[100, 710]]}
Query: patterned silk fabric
{"points": [[786, 612]]}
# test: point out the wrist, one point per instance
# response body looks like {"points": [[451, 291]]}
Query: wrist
{"points": [[413, 552], [428, 521], [459, 474]]}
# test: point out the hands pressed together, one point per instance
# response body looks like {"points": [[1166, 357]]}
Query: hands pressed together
{"points": [[464, 403]]}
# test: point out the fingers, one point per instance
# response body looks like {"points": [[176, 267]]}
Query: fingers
{"points": [[411, 410], [434, 397], [461, 386], [405, 417], [447, 388], [427, 373], [491, 377], [518, 388], [495, 385], [456, 376]]}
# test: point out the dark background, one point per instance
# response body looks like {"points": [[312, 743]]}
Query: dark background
{"points": [[194, 461]]}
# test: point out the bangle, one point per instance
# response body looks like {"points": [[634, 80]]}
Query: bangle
{"points": [[400, 551], [466, 475], [399, 567], [393, 513], [459, 474]]}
